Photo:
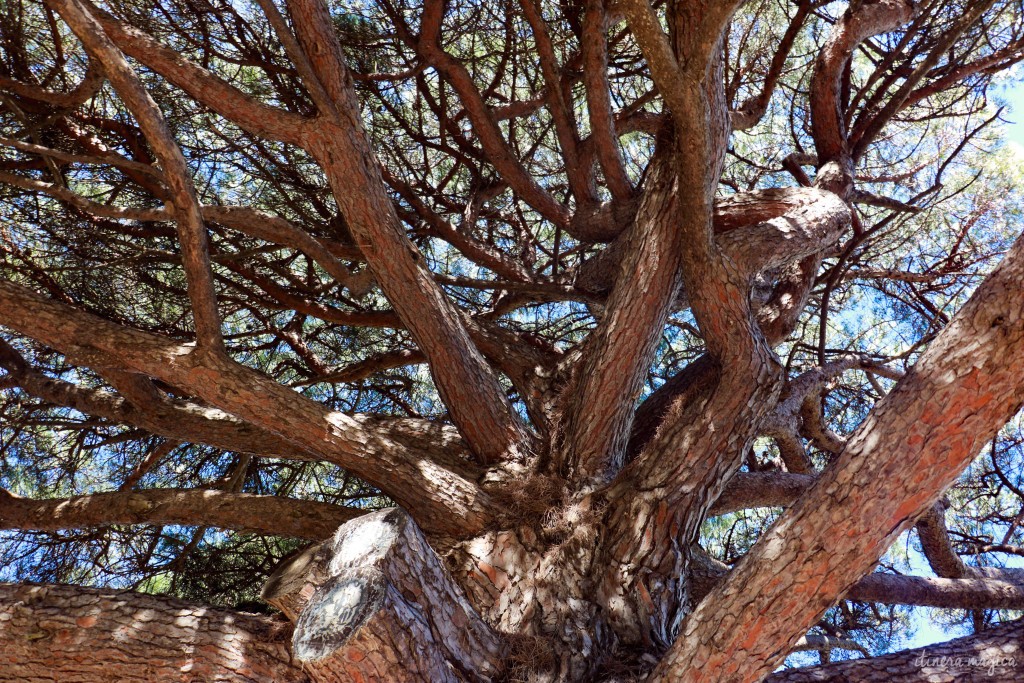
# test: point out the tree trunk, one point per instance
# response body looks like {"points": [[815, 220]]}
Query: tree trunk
{"points": [[560, 551]]}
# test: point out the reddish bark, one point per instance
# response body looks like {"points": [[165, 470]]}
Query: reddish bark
{"points": [[241, 511], [64, 633], [548, 526], [919, 438], [987, 657]]}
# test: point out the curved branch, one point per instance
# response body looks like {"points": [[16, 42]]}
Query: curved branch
{"points": [[498, 151], [409, 461], [828, 118], [865, 131], [913, 445], [814, 220], [937, 546], [90, 85], [605, 138], [195, 250], [206, 87], [774, 216], [174, 419], [748, 114]]}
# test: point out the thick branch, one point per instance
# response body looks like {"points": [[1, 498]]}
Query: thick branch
{"points": [[175, 419], [771, 226], [992, 656], [828, 123], [813, 221], [761, 489], [981, 593], [1002, 591], [858, 23], [68, 634], [619, 353], [810, 220], [270, 515], [464, 380], [426, 478], [911, 447], [937, 546]]}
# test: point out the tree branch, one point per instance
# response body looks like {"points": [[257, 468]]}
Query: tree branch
{"points": [[206, 87], [271, 515], [594, 47], [912, 446], [1004, 590], [485, 126], [991, 656], [68, 633], [467, 385], [405, 460], [748, 114], [195, 250], [865, 131], [828, 118], [176, 419], [618, 354], [760, 489], [90, 85]]}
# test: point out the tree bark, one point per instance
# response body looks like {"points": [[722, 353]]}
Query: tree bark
{"points": [[208, 507], [916, 440], [382, 607], [995, 655], [69, 634], [569, 544]]}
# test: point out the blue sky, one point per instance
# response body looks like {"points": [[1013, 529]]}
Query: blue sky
{"points": [[1014, 97]]}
